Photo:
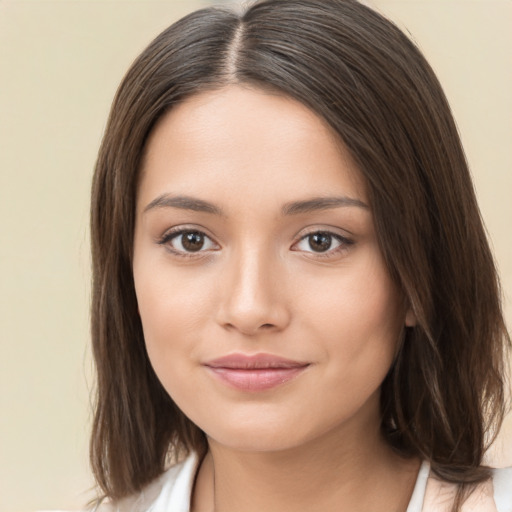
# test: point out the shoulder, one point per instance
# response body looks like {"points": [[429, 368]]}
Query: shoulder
{"points": [[170, 491], [502, 483], [494, 495]]}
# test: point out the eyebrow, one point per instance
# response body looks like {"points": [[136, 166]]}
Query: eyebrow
{"points": [[292, 208], [321, 203], [184, 203]]}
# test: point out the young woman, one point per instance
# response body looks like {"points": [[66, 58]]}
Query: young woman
{"points": [[295, 307]]}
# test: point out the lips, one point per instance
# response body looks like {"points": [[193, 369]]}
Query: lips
{"points": [[258, 372]]}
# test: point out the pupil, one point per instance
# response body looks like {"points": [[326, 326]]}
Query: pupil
{"points": [[193, 241], [320, 242]]}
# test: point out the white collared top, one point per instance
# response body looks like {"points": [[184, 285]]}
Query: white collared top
{"points": [[172, 492]]}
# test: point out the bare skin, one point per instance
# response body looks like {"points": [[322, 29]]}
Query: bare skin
{"points": [[359, 478], [254, 235]]}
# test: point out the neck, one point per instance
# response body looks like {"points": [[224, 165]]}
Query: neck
{"points": [[339, 471]]}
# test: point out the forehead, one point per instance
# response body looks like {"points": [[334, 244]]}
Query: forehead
{"points": [[250, 142]]}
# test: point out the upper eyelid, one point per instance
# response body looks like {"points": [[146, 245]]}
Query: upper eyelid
{"points": [[330, 230], [301, 234], [177, 230], [173, 233], [337, 236]]}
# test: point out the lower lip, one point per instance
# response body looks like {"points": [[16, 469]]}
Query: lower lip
{"points": [[256, 379]]}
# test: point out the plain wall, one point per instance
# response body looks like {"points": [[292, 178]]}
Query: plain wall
{"points": [[60, 64]]}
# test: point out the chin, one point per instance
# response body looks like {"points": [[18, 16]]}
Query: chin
{"points": [[267, 436]]}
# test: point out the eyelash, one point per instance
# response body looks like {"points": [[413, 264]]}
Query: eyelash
{"points": [[175, 233], [344, 242]]}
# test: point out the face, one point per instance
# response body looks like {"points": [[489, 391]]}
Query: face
{"points": [[268, 313]]}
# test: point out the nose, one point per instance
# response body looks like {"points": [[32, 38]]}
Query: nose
{"points": [[253, 296]]}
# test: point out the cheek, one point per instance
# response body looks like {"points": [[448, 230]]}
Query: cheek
{"points": [[175, 318], [365, 301], [173, 313], [172, 317], [359, 323], [359, 316]]}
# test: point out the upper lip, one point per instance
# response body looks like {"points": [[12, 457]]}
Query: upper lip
{"points": [[253, 362]]}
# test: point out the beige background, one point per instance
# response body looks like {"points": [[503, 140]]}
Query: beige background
{"points": [[60, 63]]}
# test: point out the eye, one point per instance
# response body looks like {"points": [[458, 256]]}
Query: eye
{"points": [[322, 242], [187, 241]]}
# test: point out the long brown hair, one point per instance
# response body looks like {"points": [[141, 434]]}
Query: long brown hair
{"points": [[443, 399]]}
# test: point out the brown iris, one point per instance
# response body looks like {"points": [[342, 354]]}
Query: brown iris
{"points": [[192, 241], [320, 242]]}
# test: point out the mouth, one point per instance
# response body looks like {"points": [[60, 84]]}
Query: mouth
{"points": [[258, 372]]}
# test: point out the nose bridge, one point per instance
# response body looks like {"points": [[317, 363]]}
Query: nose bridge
{"points": [[252, 299], [252, 277]]}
